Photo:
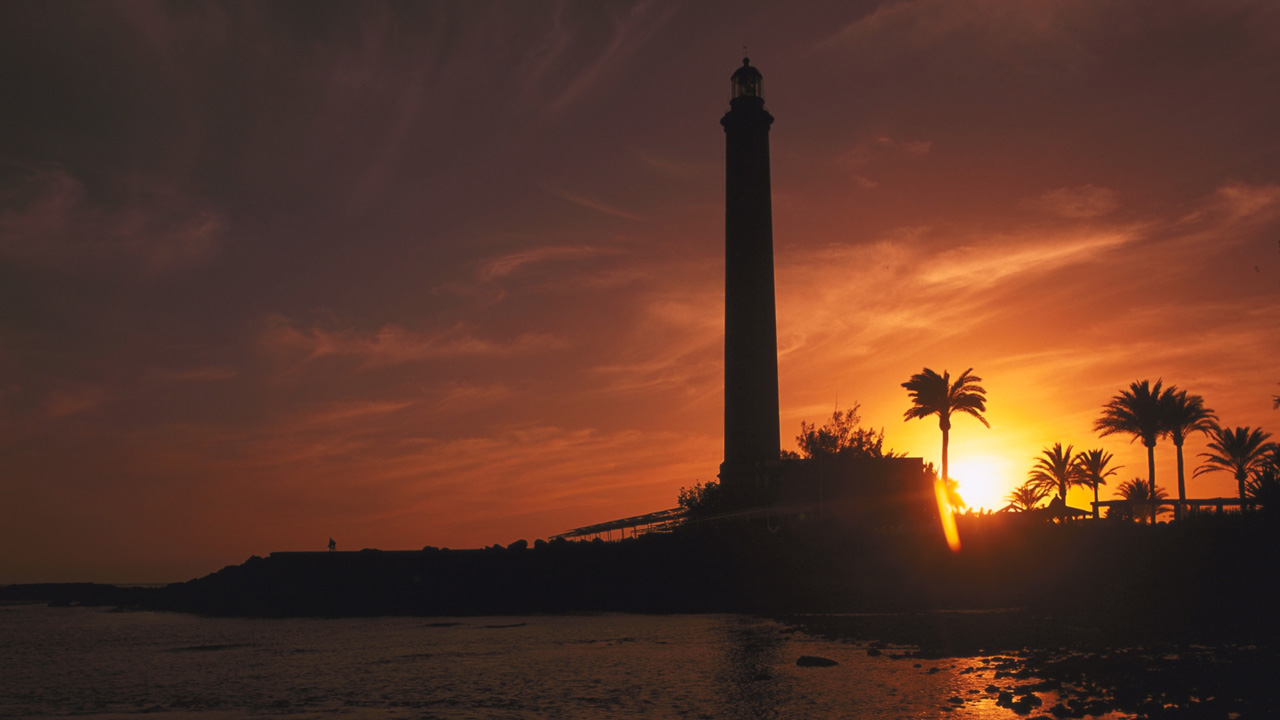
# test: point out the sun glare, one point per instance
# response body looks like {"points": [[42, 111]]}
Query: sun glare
{"points": [[981, 481]]}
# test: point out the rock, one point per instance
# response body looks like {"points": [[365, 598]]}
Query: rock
{"points": [[815, 661], [992, 688], [874, 652], [1020, 707], [955, 700]]}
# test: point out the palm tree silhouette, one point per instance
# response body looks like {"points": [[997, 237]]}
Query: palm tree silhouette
{"points": [[1241, 451], [1055, 470], [1184, 414], [1092, 466], [1026, 497], [1140, 491], [934, 394], [1138, 411]]}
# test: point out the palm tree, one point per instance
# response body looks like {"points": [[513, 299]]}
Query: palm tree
{"points": [[1092, 466], [1242, 451], [1138, 411], [1275, 402], [1139, 491], [934, 394], [1026, 497], [1055, 470], [1264, 484], [1184, 414]]}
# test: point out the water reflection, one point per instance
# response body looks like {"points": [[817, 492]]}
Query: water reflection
{"points": [[747, 674]]}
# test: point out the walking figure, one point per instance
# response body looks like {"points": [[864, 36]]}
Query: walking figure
{"points": [[332, 545]]}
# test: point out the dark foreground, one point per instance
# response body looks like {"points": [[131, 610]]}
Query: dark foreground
{"points": [[1180, 620], [1209, 578]]}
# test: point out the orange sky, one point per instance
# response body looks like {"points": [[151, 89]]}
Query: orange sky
{"points": [[451, 274]]}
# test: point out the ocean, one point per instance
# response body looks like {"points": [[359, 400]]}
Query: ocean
{"points": [[95, 663]]}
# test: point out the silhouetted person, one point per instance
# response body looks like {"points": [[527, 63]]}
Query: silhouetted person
{"points": [[332, 545]]}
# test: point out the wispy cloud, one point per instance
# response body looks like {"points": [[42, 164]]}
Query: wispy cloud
{"points": [[590, 202], [676, 167], [391, 344], [905, 26], [910, 147], [49, 218], [210, 373], [512, 263], [1077, 203], [995, 261], [630, 32], [71, 399]]}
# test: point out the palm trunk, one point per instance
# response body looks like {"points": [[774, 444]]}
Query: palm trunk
{"points": [[945, 433], [1095, 501], [1151, 477], [1182, 484]]}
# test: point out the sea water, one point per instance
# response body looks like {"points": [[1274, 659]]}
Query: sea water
{"points": [[95, 663]]}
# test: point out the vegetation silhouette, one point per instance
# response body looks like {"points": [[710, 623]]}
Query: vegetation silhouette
{"points": [[841, 435], [934, 394], [702, 500], [1184, 414], [1139, 491], [1243, 452], [1263, 485], [1094, 468], [1055, 470], [1026, 497], [1138, 411]]}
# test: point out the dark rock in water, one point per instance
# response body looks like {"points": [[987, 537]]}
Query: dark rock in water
{"points": [[815, 661], [956, 700], [1031, 700], [874, 652], [1047, 685], [992, 688], [1004, 699]]}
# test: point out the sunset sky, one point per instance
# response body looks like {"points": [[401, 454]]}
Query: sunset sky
{"points": [[452, 273]]}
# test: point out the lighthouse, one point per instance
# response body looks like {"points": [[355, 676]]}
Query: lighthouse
{"points": [[751, 442]]}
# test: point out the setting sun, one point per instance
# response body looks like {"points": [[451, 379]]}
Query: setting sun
{"points": [[982, 481]]}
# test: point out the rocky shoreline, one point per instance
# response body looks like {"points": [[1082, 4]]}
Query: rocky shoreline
{"points": [[1042, 668]]}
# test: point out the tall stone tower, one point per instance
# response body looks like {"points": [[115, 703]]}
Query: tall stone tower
{"points": [[751, 444]]}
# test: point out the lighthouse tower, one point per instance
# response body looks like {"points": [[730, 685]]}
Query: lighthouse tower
{"points": [[751, 445]]}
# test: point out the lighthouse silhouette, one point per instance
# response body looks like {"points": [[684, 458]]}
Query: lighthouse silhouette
{"points": [[751, 443]]}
